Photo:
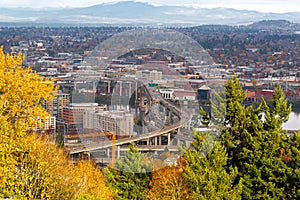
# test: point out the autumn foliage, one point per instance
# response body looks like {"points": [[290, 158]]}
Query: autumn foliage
{"points": [[252, 159], [22, 92], [168, 182], [31, 166]]}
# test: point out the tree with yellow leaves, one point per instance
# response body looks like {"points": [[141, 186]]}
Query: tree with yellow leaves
{"points": [[88, 181], [31, 166], [21, 95], [34, 168], [22, 92]]}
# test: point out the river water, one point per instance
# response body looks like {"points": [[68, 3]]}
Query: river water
{"points": [[293, 123]]}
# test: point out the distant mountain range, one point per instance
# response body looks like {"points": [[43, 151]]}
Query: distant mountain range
{"points": [[138, 13]]}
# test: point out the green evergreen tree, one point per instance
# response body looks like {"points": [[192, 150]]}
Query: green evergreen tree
{"points": [[218, 108], [267, 160], [130, 177], [205, 173], [205, 119]]}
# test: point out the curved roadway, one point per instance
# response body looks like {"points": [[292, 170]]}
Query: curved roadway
{"points": [[183, 118]]}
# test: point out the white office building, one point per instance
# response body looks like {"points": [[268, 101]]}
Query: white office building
{"points": [[119, 122]]}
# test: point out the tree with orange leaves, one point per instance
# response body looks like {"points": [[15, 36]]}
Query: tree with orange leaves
{"points": [[168, 183]]}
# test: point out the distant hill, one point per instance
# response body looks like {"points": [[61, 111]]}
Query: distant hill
{"points": [[138, 13], [271, 24]]}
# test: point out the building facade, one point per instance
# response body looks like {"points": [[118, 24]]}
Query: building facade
{"points": [[118, 122], [74, 116], [55, 107]]}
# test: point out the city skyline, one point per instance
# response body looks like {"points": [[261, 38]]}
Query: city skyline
{"points": [[278, 6]]}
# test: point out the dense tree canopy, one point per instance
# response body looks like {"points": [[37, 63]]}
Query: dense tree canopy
{"points": [[253, 157], [31, 166], [205, 170], [266, 157], [22, 92]]}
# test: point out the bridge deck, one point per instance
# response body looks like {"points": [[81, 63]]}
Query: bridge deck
{"points": [[184, 118]]}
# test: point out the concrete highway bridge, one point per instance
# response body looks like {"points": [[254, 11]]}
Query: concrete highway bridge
{"points": [[153, 141]]}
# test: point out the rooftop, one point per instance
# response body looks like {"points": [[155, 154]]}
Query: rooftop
{"points": [[204, 87]]}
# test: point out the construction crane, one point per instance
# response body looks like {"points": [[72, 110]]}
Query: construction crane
{"points": [[113, 137]]}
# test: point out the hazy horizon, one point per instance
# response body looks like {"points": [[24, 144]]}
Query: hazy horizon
{"points": [[275, 6]]}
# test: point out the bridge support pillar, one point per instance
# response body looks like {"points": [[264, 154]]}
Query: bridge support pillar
{"points": [[118, 152], [159, 140], [155, 141], [88, 155], [129, 89], [169, 139], [107, 152], [178, 131]]}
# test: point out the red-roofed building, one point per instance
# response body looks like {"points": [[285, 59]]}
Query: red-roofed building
{"points": [[266, 94]]}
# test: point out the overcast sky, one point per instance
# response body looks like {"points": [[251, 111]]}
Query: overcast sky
{"points": [[259, 5]]}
